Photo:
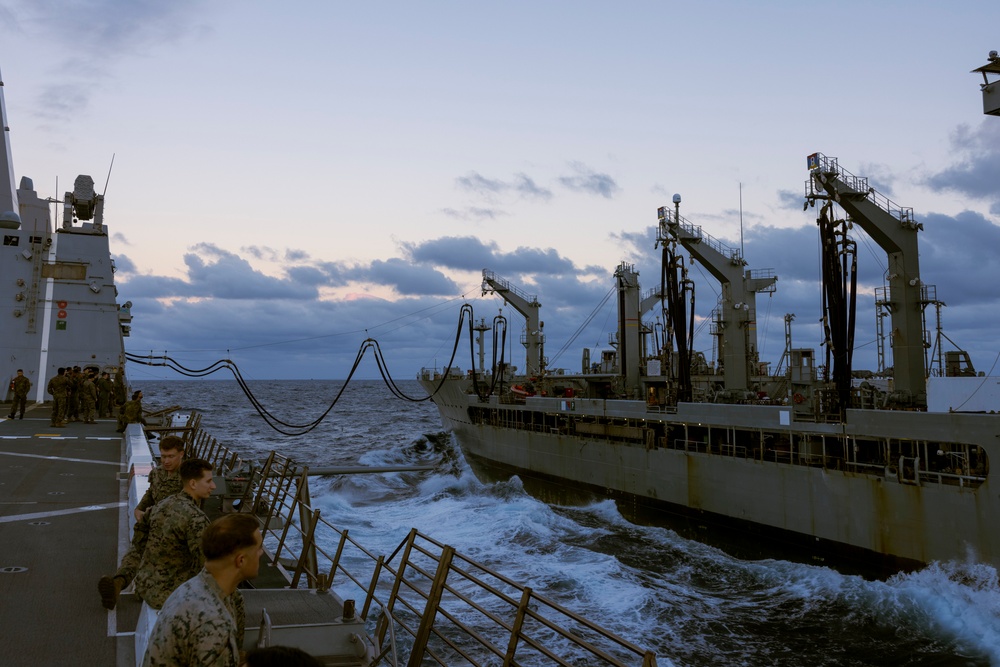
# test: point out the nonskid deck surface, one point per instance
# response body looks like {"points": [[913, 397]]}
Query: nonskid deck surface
{"points": [[61, 490]]}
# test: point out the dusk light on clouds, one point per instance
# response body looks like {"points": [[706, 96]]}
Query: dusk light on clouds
{"points": [[290, 179]]}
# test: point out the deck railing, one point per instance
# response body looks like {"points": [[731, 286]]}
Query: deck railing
{"points": [[425, 600]]}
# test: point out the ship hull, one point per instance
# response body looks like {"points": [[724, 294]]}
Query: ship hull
{"points": [[894, 515]]}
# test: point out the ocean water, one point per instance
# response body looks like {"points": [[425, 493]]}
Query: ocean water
{"points": [[691, 603]]}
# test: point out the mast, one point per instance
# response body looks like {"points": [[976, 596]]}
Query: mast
{"points": [[8, 191], [737, 324], [895, 231], [527, 305], [629, 320]]}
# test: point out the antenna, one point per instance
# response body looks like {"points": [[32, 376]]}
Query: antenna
{"points": [[742, 251], [108, 180]]}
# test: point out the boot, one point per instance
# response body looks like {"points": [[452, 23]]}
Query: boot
{"points": [[109, 588]]}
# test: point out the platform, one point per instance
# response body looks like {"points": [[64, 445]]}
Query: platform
{"points": [[60, 497]]}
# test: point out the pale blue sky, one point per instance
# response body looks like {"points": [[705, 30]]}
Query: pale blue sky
{"points": [[292, 170]]}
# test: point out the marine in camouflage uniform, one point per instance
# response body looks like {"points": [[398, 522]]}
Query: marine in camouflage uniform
{"points": [[21, 386], [163, 483], [75, 378], [104, 390], [131, 412], [88, 400], [197, 626], [173, 551], [118, 390], [59, 388]]}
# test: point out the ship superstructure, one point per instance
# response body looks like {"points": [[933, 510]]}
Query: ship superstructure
{"points": [[61, 301]]}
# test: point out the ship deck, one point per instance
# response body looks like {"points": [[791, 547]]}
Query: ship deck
{"points": [[61, 490], [63, 524]]}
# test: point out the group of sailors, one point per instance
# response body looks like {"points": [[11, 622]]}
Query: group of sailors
{"points": [[189, 568], [79, 395]]}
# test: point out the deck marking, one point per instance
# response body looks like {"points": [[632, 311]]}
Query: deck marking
{"points": [[72, 510], [62, 458]]}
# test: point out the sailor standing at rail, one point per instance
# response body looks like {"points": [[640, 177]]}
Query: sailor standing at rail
{"points": [[173, 552], [164, 481], [200, 623]]}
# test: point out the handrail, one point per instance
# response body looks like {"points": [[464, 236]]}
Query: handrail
{"points": [[859, 184], [508, 286], [454, 610], [673, 218]]}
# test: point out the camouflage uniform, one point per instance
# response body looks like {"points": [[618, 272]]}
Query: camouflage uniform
{"points": [[72, 410], [197, 626], [131, 413], [22, 386], [104, 391], [59, 388], [88, 400], [162, 484], [173, 551], [118, 388]]}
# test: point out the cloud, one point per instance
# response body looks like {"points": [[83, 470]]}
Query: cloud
{"points": [[216, 273], [123, 264], [879, 176], [475, 182], [290, 332], [788, 199], [260, 252], [309, 275], [410, 279], [587, 180], [473, 213], [489, 188], [102, 31], [977, 170], [526, 187], [469, 253]]}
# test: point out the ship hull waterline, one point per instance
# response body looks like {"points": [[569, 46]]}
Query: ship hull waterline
{"points": [[858, 521]]}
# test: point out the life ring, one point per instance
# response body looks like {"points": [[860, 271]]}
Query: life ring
{"points": [[798, 398]]}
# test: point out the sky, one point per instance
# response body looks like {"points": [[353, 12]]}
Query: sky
{"points": [[286, 180]]}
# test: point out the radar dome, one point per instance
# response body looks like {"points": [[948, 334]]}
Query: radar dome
{"points": [[10, 220]]}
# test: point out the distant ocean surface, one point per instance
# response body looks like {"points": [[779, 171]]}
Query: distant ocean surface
{"points": [[692, 604]]}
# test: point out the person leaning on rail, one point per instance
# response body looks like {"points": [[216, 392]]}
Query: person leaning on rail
{"points": [[200, 621], [131, 412], [173, 551], [164, 481]]}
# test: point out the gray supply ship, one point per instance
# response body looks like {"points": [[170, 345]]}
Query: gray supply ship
{"points": [[879, 473], [67, 492]]}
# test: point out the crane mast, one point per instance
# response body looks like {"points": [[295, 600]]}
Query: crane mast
{"points": [[528, 306], [737, 323], [893, 228]]}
